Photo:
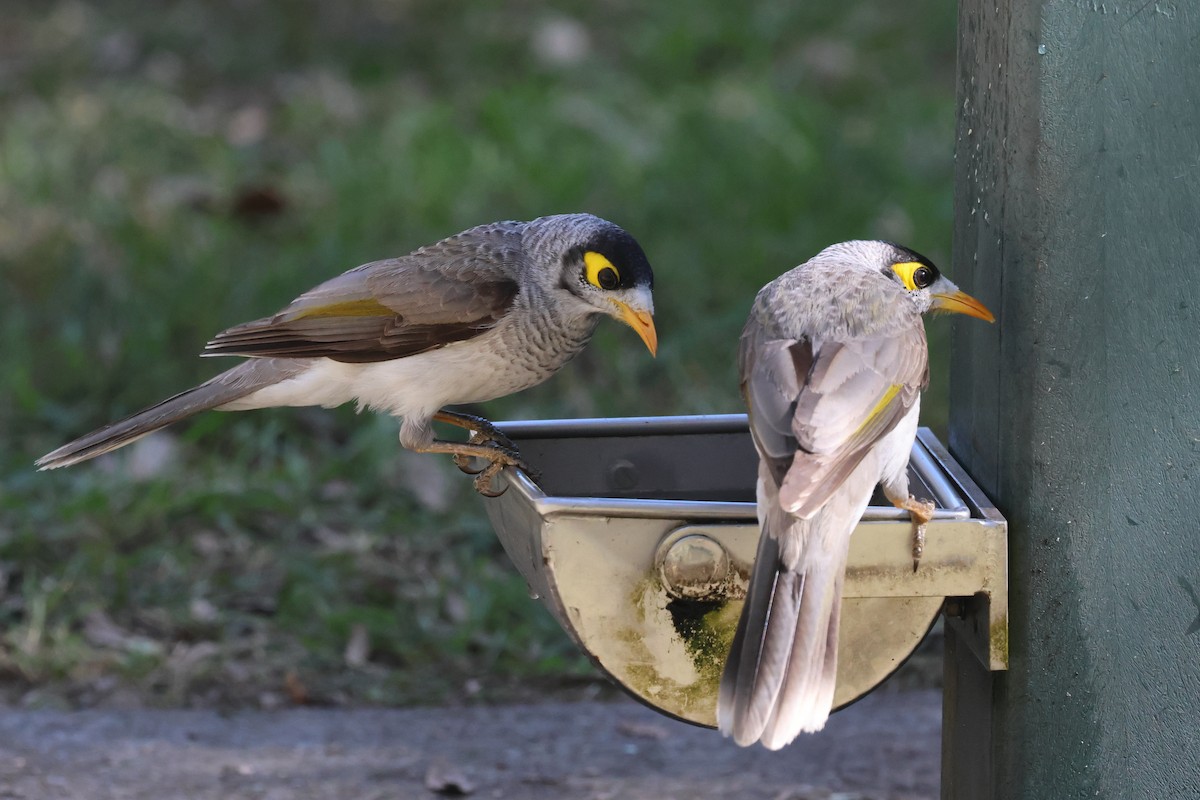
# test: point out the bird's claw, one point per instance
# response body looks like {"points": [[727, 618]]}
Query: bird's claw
{"points": [[921, 512], [918, 547], [483, 483], [486, 445], [465, 464], [497, 459], [485, 434]]}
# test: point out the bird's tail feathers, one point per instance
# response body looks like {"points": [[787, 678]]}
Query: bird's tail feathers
{"points": [[230, 385], [782, 669], [806, 694]]}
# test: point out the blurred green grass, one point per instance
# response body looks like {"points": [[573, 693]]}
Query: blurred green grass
{"points": [[170, 169]]}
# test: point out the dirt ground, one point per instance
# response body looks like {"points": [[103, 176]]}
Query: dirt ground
{"points": [[884, 747]]}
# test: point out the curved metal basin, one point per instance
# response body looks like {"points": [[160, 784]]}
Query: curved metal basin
{"points": [[639, 535]]}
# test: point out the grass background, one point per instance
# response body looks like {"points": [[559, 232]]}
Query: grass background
{"points": [[168, 169]]}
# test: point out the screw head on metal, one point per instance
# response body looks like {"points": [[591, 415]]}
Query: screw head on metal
{"points": [[695, 567], [623, 475]]}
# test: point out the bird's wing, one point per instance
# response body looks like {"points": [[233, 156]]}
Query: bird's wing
{"points": [[817, 408], [447, 292]]}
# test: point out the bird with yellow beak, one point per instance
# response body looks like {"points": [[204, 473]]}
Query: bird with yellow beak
{"points": [[482, 314], [832, 363]]}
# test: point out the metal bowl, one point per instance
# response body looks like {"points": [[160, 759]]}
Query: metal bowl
{"points": [[639, 535]]}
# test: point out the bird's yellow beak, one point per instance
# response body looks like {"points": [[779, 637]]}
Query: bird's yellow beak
{"points": [[959, 302], [642, 323]]}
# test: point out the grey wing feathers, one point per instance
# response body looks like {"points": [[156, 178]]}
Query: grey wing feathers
{"points": [[852, 394], [457, 280], [770, 387], [447, 292]]}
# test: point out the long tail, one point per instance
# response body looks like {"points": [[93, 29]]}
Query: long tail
{"points": [[233, 384], [782, 669]]}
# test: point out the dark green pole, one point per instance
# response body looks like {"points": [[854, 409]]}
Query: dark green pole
{"points": [[1078, 223]]}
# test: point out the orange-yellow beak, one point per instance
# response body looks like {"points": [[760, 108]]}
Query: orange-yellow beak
{"points": [[959, 302], [642, 323]]}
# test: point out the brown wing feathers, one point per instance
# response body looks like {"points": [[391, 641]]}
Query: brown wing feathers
{"points": [[357, 332], [447, 292]]}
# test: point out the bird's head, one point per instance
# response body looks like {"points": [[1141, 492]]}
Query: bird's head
{"points": [[931, 290], [604, 268]]}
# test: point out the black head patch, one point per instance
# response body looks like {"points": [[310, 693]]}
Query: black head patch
{"points": [[905, 255], [622, 251]]}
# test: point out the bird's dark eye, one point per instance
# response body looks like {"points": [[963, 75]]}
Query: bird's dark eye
{"points": [[916, 275], [600, 272]]}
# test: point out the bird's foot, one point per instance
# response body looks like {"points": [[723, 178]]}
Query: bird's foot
{"points": [[918, 548], [487, 442], [921, 512], [483, 481], [494, 439], [483, 433], [466, 464], [481, 430], [501, 458], [496, 456]]}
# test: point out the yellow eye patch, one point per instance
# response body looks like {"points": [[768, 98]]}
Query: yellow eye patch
{"points": [[914, 274], [600, 271]]}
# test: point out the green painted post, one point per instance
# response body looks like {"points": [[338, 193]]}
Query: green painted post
{"points": [[1078, 223]]}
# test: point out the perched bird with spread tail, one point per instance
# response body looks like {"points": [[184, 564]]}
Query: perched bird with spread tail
{"points": [[832, 363], [485, 313]]}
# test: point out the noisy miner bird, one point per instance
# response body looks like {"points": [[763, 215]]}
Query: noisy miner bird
{"points": [[832, 363], [482, 314]]}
